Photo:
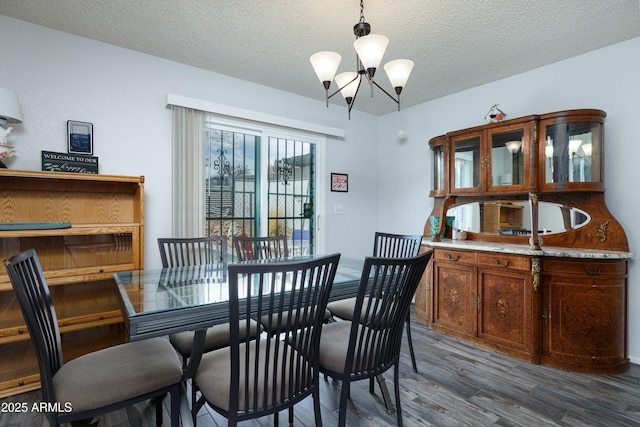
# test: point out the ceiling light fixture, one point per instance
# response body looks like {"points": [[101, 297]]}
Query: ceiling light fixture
{"points": [[369, 49]]}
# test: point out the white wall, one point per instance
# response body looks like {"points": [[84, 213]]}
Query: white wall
{"points": [[606, 79], [60, 77]]}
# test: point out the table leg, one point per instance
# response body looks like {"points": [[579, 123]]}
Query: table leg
{"points": [[186, 411]]}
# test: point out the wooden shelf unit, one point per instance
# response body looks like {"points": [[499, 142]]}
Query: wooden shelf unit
{"points": [[106, 235], [500, 216]]}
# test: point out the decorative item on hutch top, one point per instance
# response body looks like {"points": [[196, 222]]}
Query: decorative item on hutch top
{"points": [[543, 272], [10, 112], [369, 49]]}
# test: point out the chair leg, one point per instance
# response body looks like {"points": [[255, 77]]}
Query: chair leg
{"points": [[385, 394], [175, 407], [316, 408], [291, 416], [413, 356], [157, 401], [396, 389], [344, 398]]}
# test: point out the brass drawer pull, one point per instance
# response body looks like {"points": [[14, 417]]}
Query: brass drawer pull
{"points": [[453, 258], [593, 273], [506, 263]]}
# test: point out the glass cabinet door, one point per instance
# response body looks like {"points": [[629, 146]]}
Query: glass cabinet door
{"points": [[509, 153], [466, 164], [438, 148], [572, 155]]}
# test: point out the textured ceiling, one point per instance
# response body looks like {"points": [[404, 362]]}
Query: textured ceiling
{"points": [[455, 44]]}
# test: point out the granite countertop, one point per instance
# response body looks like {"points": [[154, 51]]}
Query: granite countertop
{"points": [[510, 248]]}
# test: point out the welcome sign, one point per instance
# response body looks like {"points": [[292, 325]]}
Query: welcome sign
{"points": [[62, 162]]}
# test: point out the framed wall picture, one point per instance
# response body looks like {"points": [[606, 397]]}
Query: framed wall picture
{"points": [[340, 182], [80, 137]]}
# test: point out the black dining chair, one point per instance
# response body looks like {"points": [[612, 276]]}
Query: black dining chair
{"points": [[369, 345], [384, 245], [254, 248], [95, 383], [252, 378], [190, 251], [177, 252]]}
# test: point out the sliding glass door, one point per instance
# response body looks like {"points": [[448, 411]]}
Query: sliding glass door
{"points": [[260, 185]]}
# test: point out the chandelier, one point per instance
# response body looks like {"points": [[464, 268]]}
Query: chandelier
{"points": [[369, 51]]}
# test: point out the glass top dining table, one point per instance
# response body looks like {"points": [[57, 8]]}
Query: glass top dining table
{"points": [[157, 302]]}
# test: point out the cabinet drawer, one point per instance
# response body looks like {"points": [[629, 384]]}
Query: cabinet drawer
{"points": [[584, 267], [509, 262], [461, 257]]}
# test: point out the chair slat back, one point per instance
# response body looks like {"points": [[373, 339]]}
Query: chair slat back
{"points": [[39, 314], [270, 374], [253, 248], [178, 252], [396, 245], [376, 331]]}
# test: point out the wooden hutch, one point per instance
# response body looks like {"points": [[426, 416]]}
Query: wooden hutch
{"points": [[543, 272], [84, 228]]}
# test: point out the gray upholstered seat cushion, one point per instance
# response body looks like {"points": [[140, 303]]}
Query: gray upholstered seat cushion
{"points": [[217, 337], [334, 342], [214, 373], [342, 308], [117, 373], [285, 317]]}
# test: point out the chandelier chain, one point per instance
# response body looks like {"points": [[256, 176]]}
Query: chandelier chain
{"points": [[361, 10]]}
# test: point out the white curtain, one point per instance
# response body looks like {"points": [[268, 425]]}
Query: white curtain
{"points": [[188, 172]]}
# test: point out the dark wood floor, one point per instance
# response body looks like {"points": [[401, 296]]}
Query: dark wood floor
{"points": [[459, 384]]}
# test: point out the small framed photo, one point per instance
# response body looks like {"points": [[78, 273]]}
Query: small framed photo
{"points": [[340, 182], [80, 137]]}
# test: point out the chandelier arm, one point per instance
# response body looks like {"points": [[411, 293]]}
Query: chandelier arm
{"points": [[353, 101], [387, 93], [339, 89]]}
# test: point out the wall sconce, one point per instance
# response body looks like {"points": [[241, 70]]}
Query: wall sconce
{"points": [[513, 146]]}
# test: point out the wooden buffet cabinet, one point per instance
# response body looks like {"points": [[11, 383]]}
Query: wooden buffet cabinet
{"points": [[84, 228], [545, 280]]}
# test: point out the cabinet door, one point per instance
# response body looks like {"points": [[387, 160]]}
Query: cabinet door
{"points": [[440, 182], [454, 297], [571, 151], [466, 164], [585, 315], [509, 159], [507, 304]]}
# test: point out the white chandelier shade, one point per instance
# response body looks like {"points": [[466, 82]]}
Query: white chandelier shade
{"points": [[325, 64], [398, 72], [348, 82], [370, 50]]}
